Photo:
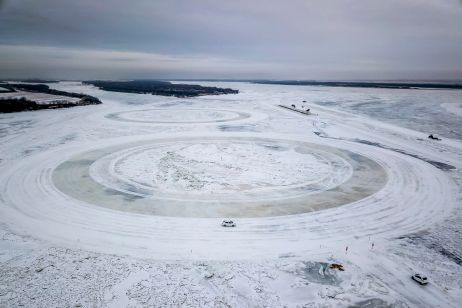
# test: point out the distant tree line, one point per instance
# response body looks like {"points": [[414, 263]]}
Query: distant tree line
{"points": [[162, 88], [43, 88], [8, 105], [22, 104], [355, 84], [35, 80]]}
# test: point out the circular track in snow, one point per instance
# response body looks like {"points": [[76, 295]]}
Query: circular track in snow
{"points": [[414, 197], [219, 177], [184, 116]]}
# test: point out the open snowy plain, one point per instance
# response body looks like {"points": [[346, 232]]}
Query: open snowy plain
{"points": [[120, 204]]}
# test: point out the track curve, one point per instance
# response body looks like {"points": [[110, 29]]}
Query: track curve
{"points": [[415, 195]]}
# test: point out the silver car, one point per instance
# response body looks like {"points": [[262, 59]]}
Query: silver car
{"points": [[420, 279], [228, 223]]}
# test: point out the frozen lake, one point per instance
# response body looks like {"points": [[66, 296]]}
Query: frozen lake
{"points": [[125, 199]]}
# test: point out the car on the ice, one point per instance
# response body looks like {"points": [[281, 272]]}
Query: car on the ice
{"points": [[420, 279], [228, 223]]}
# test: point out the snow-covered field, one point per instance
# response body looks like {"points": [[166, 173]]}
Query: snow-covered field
{"points": [[120, 204]]}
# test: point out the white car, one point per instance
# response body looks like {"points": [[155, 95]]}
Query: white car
{"points": [[420, 279], [228, 223]]}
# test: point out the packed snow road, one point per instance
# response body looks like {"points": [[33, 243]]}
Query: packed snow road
{"points": [[153, 180]]}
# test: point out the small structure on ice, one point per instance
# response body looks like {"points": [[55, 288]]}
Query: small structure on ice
{"points": [[208, 275], [434, 137], [337, 266]]}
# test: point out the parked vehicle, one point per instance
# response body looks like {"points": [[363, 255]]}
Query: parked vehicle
{"points": [[228, 223], [421, 279]]}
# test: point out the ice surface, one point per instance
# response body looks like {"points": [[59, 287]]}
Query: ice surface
{"points": [[277, 177], [60, 247], [183, 116]]}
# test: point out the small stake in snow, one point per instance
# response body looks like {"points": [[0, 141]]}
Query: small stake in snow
{"points": [[372, 247], [346, 250]]}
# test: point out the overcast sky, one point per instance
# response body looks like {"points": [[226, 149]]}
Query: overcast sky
{"points": [[274, 39]]}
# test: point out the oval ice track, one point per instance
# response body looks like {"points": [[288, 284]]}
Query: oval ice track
{"points": [[414, 196], [181, 116]]}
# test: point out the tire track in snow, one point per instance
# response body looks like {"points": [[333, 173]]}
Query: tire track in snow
{"points": [[415, 196]]}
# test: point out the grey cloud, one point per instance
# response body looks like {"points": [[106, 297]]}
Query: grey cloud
{"points": [[298, 38]]}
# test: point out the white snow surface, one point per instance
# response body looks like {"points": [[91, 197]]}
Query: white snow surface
{"points": [[453, 108], [119, 204], [224, 167]]}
